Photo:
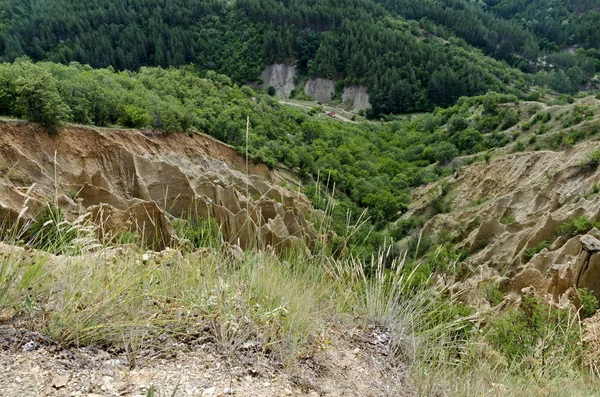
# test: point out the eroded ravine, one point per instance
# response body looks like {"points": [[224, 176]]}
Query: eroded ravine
{"points": [[126, 177]]}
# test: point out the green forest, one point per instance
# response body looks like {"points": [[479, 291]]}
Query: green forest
{"points": [[412, 56]]}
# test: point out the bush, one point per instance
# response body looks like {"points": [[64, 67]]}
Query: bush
{"points": [[404, 226], [507, 219], [271, 91], [135, 117], [456, 124], [589, 302], [418, 244], [530, 252], [534, 96], [509, 119], [547, 117], [36, 96], [576, 226], [493, 294], [592, 159], [445, 259], [534, 330]]}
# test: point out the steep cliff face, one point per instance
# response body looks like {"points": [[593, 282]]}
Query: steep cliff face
{"points": [[281, 77], [126, 180], [502, 209], [321, 90], [358, 96]]}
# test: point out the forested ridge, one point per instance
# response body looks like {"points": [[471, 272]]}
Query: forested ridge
{"points": [[411, 55]]}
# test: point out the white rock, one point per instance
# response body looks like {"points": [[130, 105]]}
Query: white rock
{"points": [[59, 381]]}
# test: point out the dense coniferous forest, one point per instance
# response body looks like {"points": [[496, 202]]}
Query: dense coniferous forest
{"points": [[411, 55]]}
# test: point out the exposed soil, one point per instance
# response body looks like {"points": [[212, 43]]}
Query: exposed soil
{"points": [[128, 179], [353, 363]]}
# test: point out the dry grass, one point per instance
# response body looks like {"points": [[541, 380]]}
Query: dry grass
{"points": [[123, 297]]}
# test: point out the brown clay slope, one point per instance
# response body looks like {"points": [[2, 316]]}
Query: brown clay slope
{"points": [[123, 177], [504, 207]]}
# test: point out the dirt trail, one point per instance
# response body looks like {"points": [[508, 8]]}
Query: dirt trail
{"points": [[326, 109], [353, 365]]}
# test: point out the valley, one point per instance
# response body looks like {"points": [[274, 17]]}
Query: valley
{"points": [[296, 198]]}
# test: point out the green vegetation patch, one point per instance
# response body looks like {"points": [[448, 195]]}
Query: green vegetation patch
{"points": [[576, 226]]}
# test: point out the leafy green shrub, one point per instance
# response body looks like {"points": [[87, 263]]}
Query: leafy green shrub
{"points": [[592, 159], [547, 117], [594, 190], [439, 205], [135, 117], [418, 244], [493, 294], [443, 236], [519, 147], [507, 219], [542, 130], [445, 259], [456, 124], [33, 94], [576, 226], [509, 119], [534, 96], [271, 91], [315, 110], [589, 302], [535, 330], [405, 226], [530, 252]]}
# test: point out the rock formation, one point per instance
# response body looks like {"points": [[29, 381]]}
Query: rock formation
{"points": [[128, 181], [502, 208], [358, 96], [321, 90], [281, 77]]}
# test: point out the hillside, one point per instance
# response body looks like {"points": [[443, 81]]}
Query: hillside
{"points": [[408, 55], [311, 198], [128, 182], [101, 314]]}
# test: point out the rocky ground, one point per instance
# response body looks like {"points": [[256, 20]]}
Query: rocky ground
{"points": [[350, 364]]}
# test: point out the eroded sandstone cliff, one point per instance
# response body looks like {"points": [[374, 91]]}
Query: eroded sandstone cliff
{"points": [[125, 179], [502, 208]]}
